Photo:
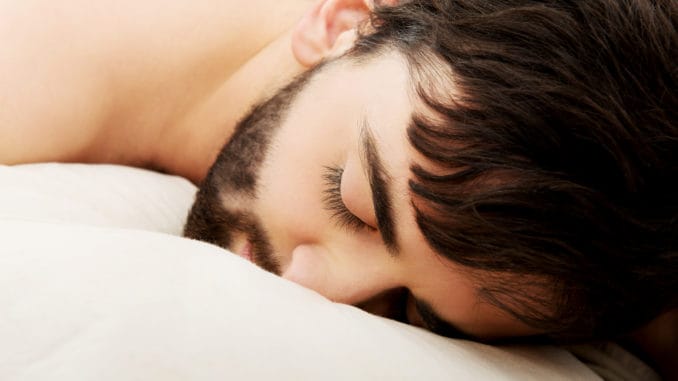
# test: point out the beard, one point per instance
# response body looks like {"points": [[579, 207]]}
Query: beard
{"points": [[221, 210]]}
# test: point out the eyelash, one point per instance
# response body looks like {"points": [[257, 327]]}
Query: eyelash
{"points": [[334, 204]]}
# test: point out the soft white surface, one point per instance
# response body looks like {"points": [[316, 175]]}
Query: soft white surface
{"points": [[87, 292], [97, 195]]}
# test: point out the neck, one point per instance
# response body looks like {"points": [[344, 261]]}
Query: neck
{"points": [[190, 147], [178, 97]]}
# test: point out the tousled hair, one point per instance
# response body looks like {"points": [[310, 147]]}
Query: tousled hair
{"points": [[551, 165]]}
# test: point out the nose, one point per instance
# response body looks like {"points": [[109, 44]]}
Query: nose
{"points": [[346, 277]]}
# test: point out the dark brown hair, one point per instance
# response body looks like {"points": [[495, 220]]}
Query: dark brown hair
{"points": [[553, 161]]}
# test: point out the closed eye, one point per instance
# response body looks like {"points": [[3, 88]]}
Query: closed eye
{"points": [[335, 205]]}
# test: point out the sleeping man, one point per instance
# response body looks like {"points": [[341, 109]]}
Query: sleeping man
{"points": [[483, 169]]}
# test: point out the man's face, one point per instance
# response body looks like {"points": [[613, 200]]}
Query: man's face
{"points": [[299, 200]]}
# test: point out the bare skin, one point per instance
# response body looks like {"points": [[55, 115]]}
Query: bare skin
{"points": [[131, 83], [161, 86]]}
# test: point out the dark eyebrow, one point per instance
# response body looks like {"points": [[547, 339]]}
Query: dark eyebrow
{"points": [[380, 187], [383, 208], [434, 323]]}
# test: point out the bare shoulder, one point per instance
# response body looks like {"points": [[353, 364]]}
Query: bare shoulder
{"points": [[48, 97], [75, 74]]}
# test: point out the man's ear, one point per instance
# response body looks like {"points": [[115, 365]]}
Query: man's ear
{"points": [[328, 29]]}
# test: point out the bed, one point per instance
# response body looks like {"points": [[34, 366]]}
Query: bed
{"points": [[96, 283]]}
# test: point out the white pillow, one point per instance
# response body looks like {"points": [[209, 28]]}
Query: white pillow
{"points": [[99, 195], [86, 294]]}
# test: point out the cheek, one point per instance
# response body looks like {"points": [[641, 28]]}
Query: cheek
{"points": [[291, 186], [288, 200]]}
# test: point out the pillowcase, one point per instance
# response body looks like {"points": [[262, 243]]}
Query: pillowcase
{"points": [[95, 195], [92, 286]]}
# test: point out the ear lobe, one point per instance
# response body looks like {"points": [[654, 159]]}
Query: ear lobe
{"points": [[317, 35]]}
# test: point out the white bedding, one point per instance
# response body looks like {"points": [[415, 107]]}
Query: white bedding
{"points": [[95, 285]]}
